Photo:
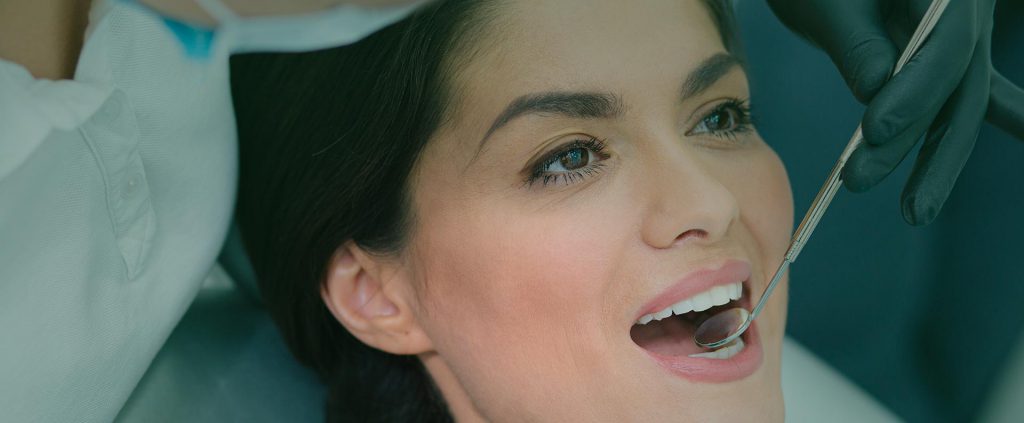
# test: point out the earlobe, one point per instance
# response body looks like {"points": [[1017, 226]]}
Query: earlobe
{"points": [[359, 293]]}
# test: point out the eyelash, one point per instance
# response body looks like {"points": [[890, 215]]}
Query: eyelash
{"points": [[742, 123], [591, 145]]}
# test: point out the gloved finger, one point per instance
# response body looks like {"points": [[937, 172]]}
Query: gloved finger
{"points": [[870, 164], [948, 145], [906, 105], [852, 33], [874, 161], [1006, 105]]}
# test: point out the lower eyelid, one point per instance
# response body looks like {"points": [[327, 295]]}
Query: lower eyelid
{"points": [[593, 145], [569, 178]]}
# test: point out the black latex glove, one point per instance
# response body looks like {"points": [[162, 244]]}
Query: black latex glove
{"points": [[947, 89]]}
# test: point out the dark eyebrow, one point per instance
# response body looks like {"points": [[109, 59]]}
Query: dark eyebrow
{"points": [[707, 73], [578, 105], [590, 105]]}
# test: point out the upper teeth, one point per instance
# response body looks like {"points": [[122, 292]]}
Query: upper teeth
{"points": [[716, 296]]}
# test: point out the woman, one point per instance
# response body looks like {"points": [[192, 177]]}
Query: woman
{"points": [[496, 214]]}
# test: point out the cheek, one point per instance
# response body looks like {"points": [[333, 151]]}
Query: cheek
{"points": [[507, 292], [758, 181], [763, 192], [761, 186], [772, 204]]}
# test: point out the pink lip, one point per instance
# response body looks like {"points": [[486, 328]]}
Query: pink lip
{"points": [[703, 369], [696, 282]]}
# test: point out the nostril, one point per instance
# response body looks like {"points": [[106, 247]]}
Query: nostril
{"points": [[692, 233]]}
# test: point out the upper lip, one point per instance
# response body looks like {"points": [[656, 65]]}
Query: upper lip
{"points": [[700, 280]]}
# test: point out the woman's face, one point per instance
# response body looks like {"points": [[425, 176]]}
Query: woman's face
{"points": [[598, 167]]}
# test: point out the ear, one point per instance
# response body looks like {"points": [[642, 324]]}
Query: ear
{"points": [[371, 297]]}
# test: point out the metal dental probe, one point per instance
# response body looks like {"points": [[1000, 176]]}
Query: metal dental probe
{"points": [[724, 327]]}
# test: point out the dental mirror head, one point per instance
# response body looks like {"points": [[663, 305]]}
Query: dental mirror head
{"points": [[722, 328]]}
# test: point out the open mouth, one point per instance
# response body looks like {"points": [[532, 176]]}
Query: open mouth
{"points": [[663, 328], [669, 332]]}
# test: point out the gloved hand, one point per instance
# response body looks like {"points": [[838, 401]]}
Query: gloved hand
{"points": [[945, 90]]}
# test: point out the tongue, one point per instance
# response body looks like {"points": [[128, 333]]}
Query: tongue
{"points": [[671, 337]]}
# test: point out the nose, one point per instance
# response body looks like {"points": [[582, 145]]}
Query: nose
{"points": [[686, 202]]}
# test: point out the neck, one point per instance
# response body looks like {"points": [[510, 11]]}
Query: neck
{"points": [[44, 36]]}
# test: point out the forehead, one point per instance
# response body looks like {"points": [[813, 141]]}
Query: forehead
{"points": [[597, 45]]}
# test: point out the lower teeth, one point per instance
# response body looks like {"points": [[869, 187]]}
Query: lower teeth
{"points": [[723, 353]]}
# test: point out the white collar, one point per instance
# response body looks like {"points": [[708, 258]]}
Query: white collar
{"points": [[31, 108]]}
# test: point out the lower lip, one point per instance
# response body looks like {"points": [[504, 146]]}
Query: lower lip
{"points": [[710, 370]]}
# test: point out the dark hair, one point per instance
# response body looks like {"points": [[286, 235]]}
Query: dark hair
{"points": [[327, 142]]}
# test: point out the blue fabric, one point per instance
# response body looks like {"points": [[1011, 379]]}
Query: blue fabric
{"points": [[196, 41], [894, 307]]}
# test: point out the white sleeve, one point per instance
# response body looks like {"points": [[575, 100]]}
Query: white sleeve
{"points": [[334, 27], [116, 193], [337, 26]]}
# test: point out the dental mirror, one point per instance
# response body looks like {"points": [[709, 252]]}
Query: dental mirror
{"points": [[726, 326]]}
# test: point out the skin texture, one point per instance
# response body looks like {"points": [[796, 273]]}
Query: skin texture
{"points": [[519, 298], [44, 36]]}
